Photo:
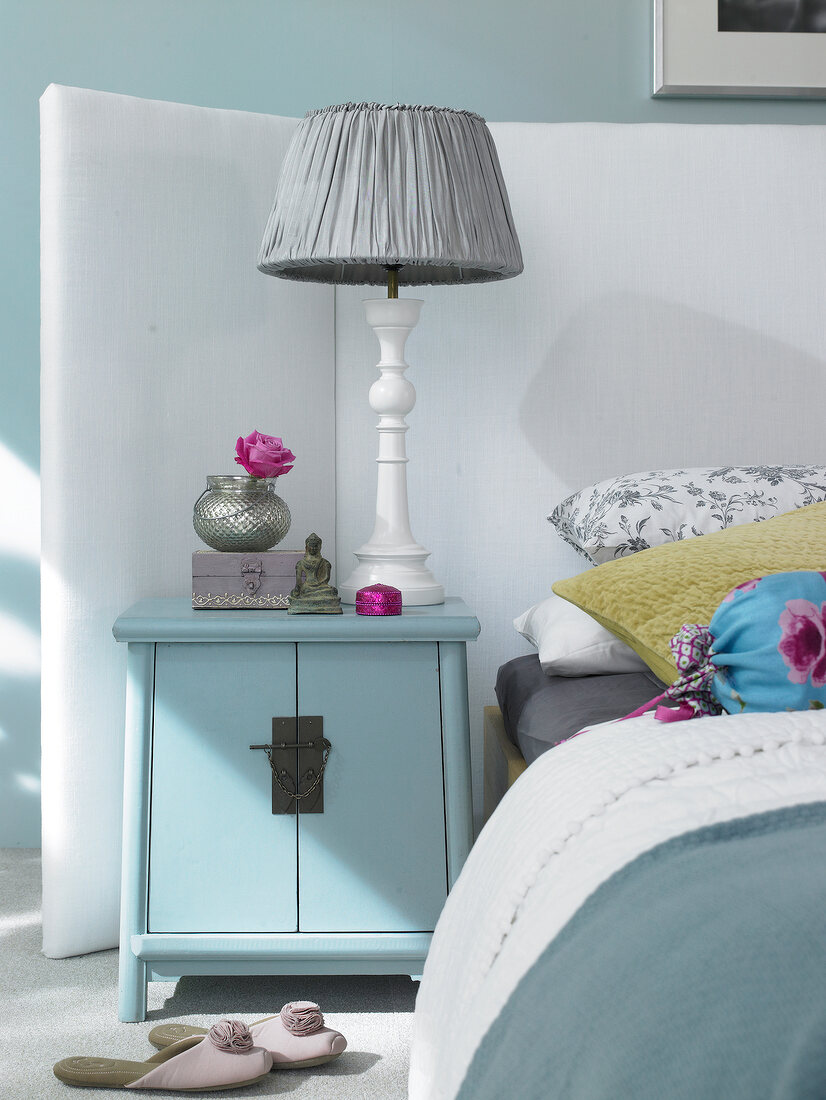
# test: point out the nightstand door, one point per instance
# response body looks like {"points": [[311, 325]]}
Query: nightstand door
{"points": [[374, 861], [219, 861]]}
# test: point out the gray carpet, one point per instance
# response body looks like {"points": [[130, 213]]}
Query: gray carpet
{"points": [[51, 1009]]}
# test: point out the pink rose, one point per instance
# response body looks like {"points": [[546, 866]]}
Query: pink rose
{"points": [[803, 642], [263, 455]]}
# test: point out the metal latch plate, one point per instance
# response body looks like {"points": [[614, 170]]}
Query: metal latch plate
{"points": [[298, 756]]}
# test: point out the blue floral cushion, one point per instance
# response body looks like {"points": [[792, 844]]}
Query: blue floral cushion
{"points": [[769, 644]]}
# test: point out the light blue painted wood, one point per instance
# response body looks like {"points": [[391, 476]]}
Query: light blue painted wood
{"points": [[219, 860], [174, 620], [456, 752], [334, 950], [380, 963], [375, 859], [137, 747], [220, 870]]}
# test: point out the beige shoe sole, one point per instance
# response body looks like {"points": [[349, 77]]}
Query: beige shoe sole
{"points": [[117, 1073]]}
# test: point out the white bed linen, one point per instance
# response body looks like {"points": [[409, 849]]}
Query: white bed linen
{"points": [[576, 816]]}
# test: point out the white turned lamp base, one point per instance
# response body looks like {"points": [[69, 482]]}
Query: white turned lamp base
{"points": [[392, 555], [418, 586]]}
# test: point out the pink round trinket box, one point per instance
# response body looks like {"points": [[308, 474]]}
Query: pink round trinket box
{"points": [[378, 599]]}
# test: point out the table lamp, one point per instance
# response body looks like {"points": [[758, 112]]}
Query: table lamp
{"points": [[396, 196]]}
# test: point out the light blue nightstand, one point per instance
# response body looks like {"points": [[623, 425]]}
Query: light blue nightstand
{"points": [[214, 882]]}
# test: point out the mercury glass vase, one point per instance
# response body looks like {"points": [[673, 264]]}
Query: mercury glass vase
{"points": [[237, 513]]}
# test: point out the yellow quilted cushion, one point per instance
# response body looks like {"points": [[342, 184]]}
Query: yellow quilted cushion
{"points": [[644, 599]]}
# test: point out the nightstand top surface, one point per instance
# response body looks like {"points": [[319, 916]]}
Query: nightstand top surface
{"points": [[174, 620]]}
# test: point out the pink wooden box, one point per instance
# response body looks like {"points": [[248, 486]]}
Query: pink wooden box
{"points": [[255, 581]]}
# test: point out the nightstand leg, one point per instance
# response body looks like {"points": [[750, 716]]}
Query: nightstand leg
{"points": [[132, 987], [140, 677]]}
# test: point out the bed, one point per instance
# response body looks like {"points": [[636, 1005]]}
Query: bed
{"points": [[577, 817], [537, 712], [644, 914]]}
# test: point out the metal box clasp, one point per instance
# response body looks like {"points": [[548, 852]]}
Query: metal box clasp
{"points": [[251, 570]]}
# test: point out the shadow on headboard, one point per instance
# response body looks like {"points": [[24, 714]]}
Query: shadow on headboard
{"points": [[656, 402]]}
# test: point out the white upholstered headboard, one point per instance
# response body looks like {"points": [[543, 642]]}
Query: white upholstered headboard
{"points": [[161, 344], [670, 314]]}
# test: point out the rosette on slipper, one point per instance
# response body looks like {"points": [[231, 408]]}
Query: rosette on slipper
{"points": [[232, 1036], [302, 1017]]}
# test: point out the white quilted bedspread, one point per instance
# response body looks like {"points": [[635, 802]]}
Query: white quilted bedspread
{"points": [[576, 816]]}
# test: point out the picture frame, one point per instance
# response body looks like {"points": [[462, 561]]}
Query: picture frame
{"points": [[694, 57]]}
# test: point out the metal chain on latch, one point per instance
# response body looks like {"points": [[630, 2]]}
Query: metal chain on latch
{"points": [[304, 744]]}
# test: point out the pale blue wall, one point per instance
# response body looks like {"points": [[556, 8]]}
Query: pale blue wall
{"points": [[527, 60]]}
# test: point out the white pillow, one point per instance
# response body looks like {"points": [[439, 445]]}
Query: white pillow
{"points": [[571, 643]]}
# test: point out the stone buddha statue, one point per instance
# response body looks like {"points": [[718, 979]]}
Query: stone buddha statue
{"points": [[313, 594]]}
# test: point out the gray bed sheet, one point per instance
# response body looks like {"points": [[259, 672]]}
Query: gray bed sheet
{"points": [[539, 710]]}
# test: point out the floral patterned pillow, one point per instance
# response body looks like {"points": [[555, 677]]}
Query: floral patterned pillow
{"points": [[622, 515]]}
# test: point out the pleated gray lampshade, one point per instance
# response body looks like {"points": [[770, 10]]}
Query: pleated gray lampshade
{"points": [[366, 186]]}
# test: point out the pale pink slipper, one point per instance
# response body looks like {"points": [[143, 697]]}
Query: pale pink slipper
{"points": [[296, 1038], [226, 1059]]}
